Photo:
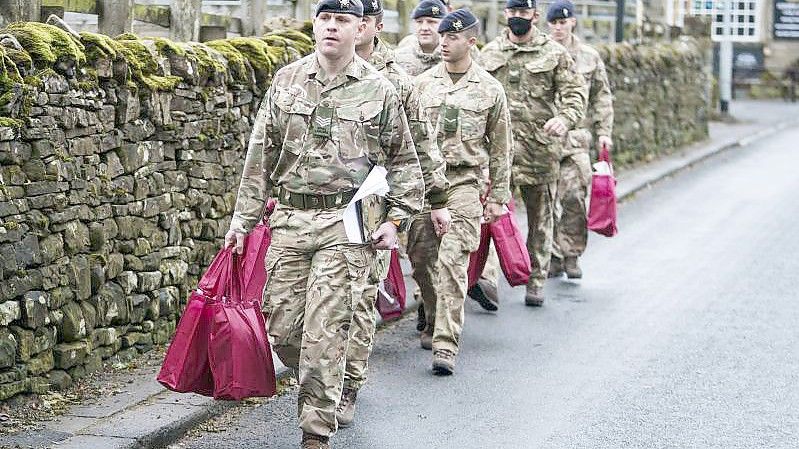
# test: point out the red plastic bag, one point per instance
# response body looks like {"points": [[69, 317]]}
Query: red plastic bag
{"points": [[477, 259], [255, 247], [391, 297], [239, 353], [185, 368], [602, 210], [511, 248]]}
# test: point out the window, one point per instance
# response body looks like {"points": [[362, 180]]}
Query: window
{"points": [[744, 18]]}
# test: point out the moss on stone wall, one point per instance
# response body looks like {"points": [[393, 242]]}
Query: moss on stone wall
{"points": [[258, 54], [100, 46], [143, 64], [47, 44], [138, 63], [237, 62], [207, 59]]}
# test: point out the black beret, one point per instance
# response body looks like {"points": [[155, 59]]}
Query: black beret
{"points": [[520, 4], [429, 8], [457, 21], [354, 7], [372, 7], [560, 9]]}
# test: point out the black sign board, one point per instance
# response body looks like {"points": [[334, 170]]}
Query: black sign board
{"points": [[786, 19]]}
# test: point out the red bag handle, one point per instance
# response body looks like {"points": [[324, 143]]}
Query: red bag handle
{"points": [[215, 277], [604, 154], [232, 290]]}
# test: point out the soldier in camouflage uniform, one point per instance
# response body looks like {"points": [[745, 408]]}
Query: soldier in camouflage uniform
{"points": [[423, 51], [546, 99], [376, 52], [411, 38], [417, 53], [571, 233], [324, 123], [471, 125]]}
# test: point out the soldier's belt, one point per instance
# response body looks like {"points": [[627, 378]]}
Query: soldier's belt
{"points": [[308, 201]]}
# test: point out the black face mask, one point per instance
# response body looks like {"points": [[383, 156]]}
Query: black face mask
{"points": [[519, 26]]}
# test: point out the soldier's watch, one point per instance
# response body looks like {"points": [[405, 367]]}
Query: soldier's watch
{"points": [[402, 225]]}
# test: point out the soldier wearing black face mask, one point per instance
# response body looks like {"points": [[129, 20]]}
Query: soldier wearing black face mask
{"points": [[546, 98]]}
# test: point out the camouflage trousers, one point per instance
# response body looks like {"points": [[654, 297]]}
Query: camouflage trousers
{"points": [[571, 227], [364, 322], [315, 279], [440, 264], [539, 202]]}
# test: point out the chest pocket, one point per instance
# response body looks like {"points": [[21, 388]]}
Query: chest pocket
{"points": [[538, 75], [357, 128], [474, 118], [432, 111], [295, 117]]}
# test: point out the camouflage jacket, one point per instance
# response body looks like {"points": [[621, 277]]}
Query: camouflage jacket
{"points": [[407, 40], [599, 112], [415, 61], [384, 61], [410, 56], [541, 84], [431, 162], [471, 125], [314, 137]]}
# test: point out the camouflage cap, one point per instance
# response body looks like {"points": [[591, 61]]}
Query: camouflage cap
{"points": [[430, 8], [560, 9], [372, 7], [457, 21], [354, 7], [520, 4]]}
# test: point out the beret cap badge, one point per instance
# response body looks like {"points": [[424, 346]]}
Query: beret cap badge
{"points": [[435, 10], [457, 24], [344, 3]]}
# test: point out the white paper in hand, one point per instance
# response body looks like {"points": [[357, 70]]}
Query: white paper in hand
{"points": [[374, 184]]}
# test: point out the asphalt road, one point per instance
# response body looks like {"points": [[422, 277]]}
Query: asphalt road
{"points": [[683, 334]]}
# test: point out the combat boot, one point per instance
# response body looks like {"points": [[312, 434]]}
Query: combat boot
{"points": [[311, 441], [534, 296], [426, 340], [555, 267], [345, 412], [485, 294], [443, 362], [573, 270]]}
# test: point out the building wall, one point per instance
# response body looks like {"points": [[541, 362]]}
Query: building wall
{"points": [[779, 52]]}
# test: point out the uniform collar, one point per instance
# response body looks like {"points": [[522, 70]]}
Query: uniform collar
{"points": [[382, 55], [470, 76], [351, 70], [435, 56], [537, 40]]}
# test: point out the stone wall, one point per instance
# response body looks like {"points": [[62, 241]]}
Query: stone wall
{"points": [[660, 95], [119, 164]]}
